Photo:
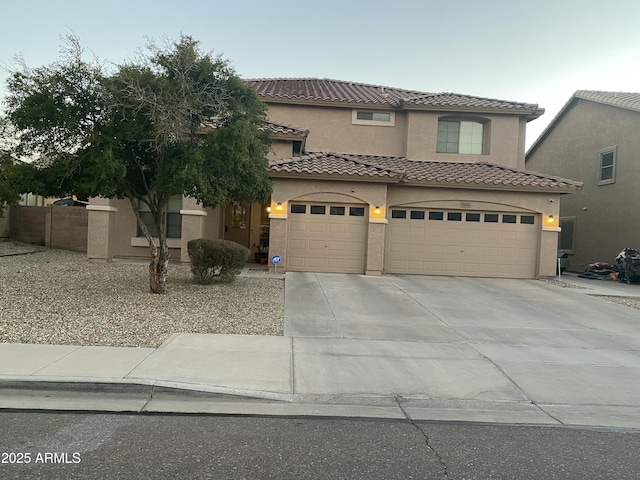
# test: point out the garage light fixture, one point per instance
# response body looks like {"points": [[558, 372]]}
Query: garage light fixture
{"points": [[377, 210], [279, 206], [550, 219]]}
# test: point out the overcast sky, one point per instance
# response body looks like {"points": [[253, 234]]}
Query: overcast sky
{"points": [[535, 51]]}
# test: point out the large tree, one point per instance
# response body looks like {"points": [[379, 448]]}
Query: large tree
{"points": [[174, 121], [10, 182]]}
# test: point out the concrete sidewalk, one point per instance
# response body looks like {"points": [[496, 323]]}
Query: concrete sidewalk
{"points": [[427, 348]]}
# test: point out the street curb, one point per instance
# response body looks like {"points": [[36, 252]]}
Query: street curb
{"points": [[143, 388]]}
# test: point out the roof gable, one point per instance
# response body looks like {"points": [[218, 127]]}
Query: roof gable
{"points": [[625, 100]]}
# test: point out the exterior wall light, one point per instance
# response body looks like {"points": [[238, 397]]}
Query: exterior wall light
{"points": [[279, 206], [550, 219], [377, 210], [268, 209]]}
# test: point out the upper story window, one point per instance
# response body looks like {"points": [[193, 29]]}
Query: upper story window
{"points": [[296, 148], [460, 136], [607, 166], [373, 117]]}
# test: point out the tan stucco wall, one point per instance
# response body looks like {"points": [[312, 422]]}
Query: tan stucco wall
{"points": [[112, 226], [280, 149], [120, 222], [505, 140], [331, 130], [213, 223], [414, 135], [605, 215]]}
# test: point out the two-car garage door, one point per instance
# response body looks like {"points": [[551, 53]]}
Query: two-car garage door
{"points": [[462, 243]]}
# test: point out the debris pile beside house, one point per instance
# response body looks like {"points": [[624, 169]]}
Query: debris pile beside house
{"points": [[627, 268], [601, 270], [628, 261]]}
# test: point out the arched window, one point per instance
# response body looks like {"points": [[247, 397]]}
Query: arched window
{"points": [[461, 136]]}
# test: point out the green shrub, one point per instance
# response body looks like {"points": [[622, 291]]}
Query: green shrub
{"points": [[216, 260]]}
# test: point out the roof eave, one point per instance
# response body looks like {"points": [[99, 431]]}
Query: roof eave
{"points": [[335, 177], [529, 114], [324, 103], [493, 187]]}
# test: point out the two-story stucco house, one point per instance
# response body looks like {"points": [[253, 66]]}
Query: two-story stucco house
{"points": [[594, 138], [370, 179]]}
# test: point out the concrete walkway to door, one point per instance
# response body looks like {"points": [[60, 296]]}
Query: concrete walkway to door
{"points": [[455, 345]]}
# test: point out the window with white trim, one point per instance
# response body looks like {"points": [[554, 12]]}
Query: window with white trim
{"points": [[607, 166], [373, 117], [173, 221], [460, 136]]}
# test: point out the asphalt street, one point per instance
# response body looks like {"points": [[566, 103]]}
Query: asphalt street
{"points": [[106, 446]]}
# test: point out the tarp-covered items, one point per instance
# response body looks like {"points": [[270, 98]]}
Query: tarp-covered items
{"points": [[628, 261], [601, 270]]}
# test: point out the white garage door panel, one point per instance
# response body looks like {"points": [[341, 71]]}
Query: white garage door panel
{"points": [[324, 242], [482, 248]]}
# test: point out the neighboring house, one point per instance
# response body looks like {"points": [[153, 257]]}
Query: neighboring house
{"points": [[371, 179], [594, 138]]}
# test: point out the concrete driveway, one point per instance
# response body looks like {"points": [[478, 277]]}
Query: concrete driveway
{"points": [[555, 353]]}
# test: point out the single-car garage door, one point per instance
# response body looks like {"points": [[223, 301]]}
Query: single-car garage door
{"points": [[325, 237], [473, 244]]}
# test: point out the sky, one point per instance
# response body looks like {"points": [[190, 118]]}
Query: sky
{"points": [[538, 51]]}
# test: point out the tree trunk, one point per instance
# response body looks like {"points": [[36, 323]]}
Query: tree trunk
{"points": [[158, 268], [159, 262]]}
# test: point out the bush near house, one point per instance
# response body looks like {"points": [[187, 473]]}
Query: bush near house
{"points": [[216, 260]]}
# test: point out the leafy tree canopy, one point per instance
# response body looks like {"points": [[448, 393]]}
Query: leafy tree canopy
{"points": [[173, 121]]}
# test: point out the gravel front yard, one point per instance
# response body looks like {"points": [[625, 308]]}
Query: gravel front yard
{"points": [[60, 297]]}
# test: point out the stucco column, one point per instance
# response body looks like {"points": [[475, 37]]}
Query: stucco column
{"points": [[278, 236], [549, 238], [375, 246], [100, 229], [548, 251], [193, 220]]}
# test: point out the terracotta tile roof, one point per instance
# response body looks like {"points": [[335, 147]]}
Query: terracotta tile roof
{"points": [[338, 91], [628, 100], [333, 164], [287, 129], [403, 170], [323, 89], [274, 127], [469, 102]]}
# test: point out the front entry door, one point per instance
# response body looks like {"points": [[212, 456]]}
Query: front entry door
{"points": [[236, 223]]}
